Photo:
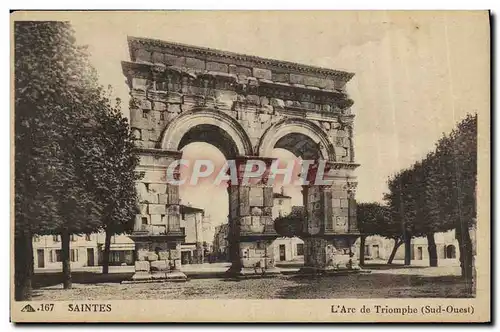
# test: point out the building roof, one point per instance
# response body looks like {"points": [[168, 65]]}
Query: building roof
{"points": [[190, 209]]}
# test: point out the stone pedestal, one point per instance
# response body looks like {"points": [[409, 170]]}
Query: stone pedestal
{"points": [[251, 228], [256, 258], [330, 255], [162, 263]]}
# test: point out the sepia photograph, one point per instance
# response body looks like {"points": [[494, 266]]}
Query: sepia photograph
{"points": [[181, 166]]}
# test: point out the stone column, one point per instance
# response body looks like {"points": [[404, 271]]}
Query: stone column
{"points": [[331, 225], [251, 228], [157, 233]]}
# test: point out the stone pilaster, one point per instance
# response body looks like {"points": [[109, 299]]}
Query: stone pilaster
{"points": [[157, 233]]}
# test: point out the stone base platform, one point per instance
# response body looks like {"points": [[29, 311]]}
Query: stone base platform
{"points": [[146, 277], [308, 270], [249, 272]]}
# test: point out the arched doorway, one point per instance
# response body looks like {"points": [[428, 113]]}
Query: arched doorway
{"points": [[209, 136], [450, 252]]}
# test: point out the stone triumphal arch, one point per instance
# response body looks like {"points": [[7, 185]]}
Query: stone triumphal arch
{"points": [[245, 106]]}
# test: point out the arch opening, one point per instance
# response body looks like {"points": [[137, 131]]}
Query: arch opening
{"points": [[210, 126], [210, 134], [299, 145], [302, 137]]}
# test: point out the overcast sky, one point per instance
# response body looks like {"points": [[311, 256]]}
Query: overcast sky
{"points": [[416, 73]]}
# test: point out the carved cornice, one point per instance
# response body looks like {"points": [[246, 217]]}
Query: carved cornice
{"points": [[233, 58], [183, 80]]}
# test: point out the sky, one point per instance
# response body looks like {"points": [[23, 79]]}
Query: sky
{"points": [[416, 73]]}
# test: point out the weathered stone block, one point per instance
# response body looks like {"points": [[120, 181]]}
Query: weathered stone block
{"points": [[175, 255], [281, 77], [217, 66], [142, 55], [174, 60], [136, 133], [164, 256], [156, 219], [277, 103], [312, 81], [159, 106], [145, 104], [143, 209], [160, 265], [149, 198], [195, 63], [262, 73], [174, 97], [162, 199], [253, 99], [263, 117], [159, 188], [238, 70], [174, 108], [142, 266], [152, 257], [157, 57], [139, 84]]}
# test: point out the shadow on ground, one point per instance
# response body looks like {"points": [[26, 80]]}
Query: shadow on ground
{"points": [[378, 285]]}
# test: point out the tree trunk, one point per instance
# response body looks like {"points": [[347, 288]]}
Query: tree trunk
{"points": [[362, 251], [407, 241], [397, 244], [432, 249], [107, 250], [465, 246], [23, 261], [66, 267]]}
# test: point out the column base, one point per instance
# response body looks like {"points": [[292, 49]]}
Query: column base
{"points": [[170, 276], [312, 270], [141, 276], [250, 272], [176, 275]]}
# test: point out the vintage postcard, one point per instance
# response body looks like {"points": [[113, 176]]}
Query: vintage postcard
{"points": [[260, 166]]}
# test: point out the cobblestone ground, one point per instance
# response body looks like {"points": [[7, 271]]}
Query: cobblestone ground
{"points": [[380, 283]]}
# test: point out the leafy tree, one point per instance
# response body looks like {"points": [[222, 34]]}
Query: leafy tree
{"points": [[72, 148], [456, 181], [375, 219], [111, 170], [50, 195], [292, 224]]}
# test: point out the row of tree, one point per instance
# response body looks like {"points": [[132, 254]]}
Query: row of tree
{"points": [[434, 195], [74, 164]]}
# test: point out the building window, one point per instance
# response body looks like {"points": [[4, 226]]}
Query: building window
{"points": [[183, 231], [57, 255], [36, 238], [280, 202], [162, 116], [55, 238], [87, 237], [73, 237], [300, 249], [74, 255], [145, 114], [144, 220]]}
